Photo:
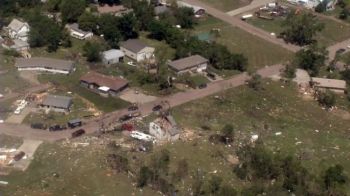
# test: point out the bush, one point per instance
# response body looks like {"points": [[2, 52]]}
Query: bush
{"points": [[11, 52], [326, 98], [255, 82]]}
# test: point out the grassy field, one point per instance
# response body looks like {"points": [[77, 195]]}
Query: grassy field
{"points": [[227, 5], [259, 52], [333, 31], [9, 141], [276, 109]]}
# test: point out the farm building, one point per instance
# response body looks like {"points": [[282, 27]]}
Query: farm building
{"points": [[45, 64], [165, 128], [112, 56], [18, 30], [137, 50], [338, 86], [195, 63], [56, 103], [74, 31], [102, 84]]}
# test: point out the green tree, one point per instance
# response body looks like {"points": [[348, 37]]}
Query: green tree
{"points": [[144, 13], [185, 17], [301, 28], [326, 98], [344, 14], [71, 10], [127, 25], [88, 22], [214, 185], [334, 176], [144, 176], [92, 51], [53, 5], [289, 71], [311, 59], [255, 82], [109, 28], [8, 8]]}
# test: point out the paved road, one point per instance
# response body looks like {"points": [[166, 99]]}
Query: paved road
{"points": [[243, 25], [93, 125], [253, 5]]}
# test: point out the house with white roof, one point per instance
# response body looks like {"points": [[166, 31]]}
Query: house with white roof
{"points": [[76, 32], [112, 56], [18, 30]]}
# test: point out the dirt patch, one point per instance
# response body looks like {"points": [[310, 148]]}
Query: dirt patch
{"points": [[135, 96], [342, 114], [30, 76]]}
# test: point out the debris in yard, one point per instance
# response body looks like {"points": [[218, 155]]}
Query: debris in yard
{"points": [[254, 138], [278, 133], [297, 143], [317, 131], [4, 183]]}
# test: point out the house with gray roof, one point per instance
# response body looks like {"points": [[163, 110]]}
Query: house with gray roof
{"points": [[45, 64], [338, 86], [137, 50], [18, 30], [76, 32], [112, 56], [195, 63], [56, 103]]}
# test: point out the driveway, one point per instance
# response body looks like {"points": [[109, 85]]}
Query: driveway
{"points": [[28, 147], [131, 96]]}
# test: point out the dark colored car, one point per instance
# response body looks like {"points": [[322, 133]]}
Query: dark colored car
{"points": [[133, 108], [125, 117], [38, 126], [57, 128], [78, 133], [341, 50], [19, 156], [74, 123], [201, 86], [157, 108], [211, 76]]}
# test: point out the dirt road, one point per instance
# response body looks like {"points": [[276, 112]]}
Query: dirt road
{"points": [[253, 5], [243, 25], [92, 126]]}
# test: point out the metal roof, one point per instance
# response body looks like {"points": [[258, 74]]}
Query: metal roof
{"points": [[57, 64], [57, 101], [187, 63], [134, 45], [113, 54], [16, 25], [329, 83]]}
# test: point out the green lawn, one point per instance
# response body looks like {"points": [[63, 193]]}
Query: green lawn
{"points": [[227, 5], [9, 141], [278, 108], [332, 33], [6, 108], [259, 52]]}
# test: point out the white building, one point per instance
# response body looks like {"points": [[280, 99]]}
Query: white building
{"points": [[165, 128], [45, 65], [18, 30], [137, 50], [112, 56], [75, 32]]}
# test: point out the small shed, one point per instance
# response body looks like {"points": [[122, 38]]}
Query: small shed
{"points": [[338, 86], [112, 56]]}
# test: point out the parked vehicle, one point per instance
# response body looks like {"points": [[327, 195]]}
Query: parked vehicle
{"points": [[57, 128], [19, 156], [201, 86], [341, 50], [211, 76], [157, 108], [74, 123], [78, 133], [38, 126], [125, 117], [135, 114], [133, 108]]}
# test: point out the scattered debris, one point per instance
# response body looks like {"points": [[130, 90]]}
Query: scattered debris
{"points": [[278, 133], [254, 138]]}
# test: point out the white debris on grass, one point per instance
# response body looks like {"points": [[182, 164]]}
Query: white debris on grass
{"points": [[4, 183], [299, 142], [254, 138], [317, 131], [278, 133]]}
